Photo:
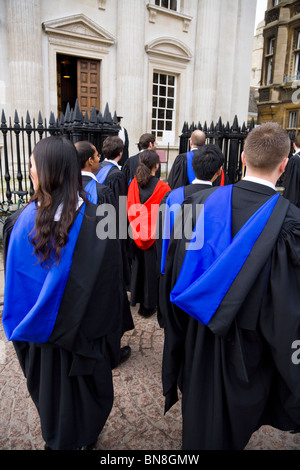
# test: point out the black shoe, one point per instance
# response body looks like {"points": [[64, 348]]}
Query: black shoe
{"points": [[148, 312], [141, 310], [125, 353]]}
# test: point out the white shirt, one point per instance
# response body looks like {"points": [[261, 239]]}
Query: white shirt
{"points": [[254, 179], [196, 181], [113, 162], [89, 173]]}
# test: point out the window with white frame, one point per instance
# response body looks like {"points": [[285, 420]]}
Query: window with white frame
{"points": [[170, 4], [293, 120], [163, 107], [269, 60], [297, 57]]}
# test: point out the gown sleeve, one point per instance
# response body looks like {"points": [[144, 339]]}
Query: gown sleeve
{"points": [[291, 181], [178, 174], [280, 322]]}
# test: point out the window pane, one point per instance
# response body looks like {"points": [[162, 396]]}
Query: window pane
{"points": [[162, 91], [168, 125], [153, 124], [163, 79], [171, 80], [157, 2], [154, 112], [162, 102], [170, 104], [171, 92], [155, 78], [154, 101], [173, 5], [160, 125], [155, 90], [161, 114], [169, 114], [164, 3]]}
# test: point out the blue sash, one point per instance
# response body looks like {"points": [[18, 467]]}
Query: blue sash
{"points": [[91, 190], [189, 162], [207, 274], [174, 201], [102, 174], [33, 293]]}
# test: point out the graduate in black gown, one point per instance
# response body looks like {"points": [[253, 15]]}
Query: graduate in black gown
{"points": [[207, 166], [181, 173], [98, 193], [291, 177], [89, 161], [63, 300], [146, 142], [144, 196], [230, 300]]}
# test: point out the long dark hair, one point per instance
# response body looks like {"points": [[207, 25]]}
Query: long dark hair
{"points": [[59, 184], [148, 160]]}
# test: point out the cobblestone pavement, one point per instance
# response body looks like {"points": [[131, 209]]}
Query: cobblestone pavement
{"points": [[136, 422]]}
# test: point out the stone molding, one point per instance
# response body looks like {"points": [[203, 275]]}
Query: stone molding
{"points": [[78, 27], [169, 48], [155, 10]]}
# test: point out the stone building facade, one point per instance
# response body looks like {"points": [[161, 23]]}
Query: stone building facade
{"points": [[279, 95], [157, 63]]}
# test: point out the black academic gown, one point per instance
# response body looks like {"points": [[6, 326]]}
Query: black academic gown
{"points": [[107, 195], [291, 180], [69, 378], [237, 373], [104, 193], [116, 180], [144, 265], [189, 190], [178, 175]]}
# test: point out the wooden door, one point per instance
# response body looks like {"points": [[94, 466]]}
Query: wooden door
{"points": [[88, 80]]}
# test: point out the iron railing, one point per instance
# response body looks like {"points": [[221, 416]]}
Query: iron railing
{"points": [[18, 138], [230, 139]]}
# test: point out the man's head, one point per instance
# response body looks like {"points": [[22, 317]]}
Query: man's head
{"points": [[112, 148], [88, 156], [207, 162], [198, 138], [147, 142], [266, 148]]}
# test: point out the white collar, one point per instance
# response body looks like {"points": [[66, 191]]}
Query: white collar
{"points": [[255, 179], [89, 173], [196, 181], [59, 209], [114, 163]]}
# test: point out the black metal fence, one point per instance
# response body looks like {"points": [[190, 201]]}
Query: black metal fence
{"points": [[230, 139], [18, 138]]}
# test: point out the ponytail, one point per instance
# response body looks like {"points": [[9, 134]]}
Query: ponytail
{"points": [[148, 160]]}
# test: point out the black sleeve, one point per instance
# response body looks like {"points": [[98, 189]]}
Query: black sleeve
{"points": [[291, 181], [280, 321], [178, 174]]}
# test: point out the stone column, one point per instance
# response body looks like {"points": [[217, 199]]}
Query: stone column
{"points": [[130, 70], [25, 56], [242, 60], [206, 59]]}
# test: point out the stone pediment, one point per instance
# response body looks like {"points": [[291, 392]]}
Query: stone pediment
{"points": [[78, 27], [169, 48]]}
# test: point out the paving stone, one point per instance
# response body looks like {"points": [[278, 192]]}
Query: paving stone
{"points": [[137, 420]]}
